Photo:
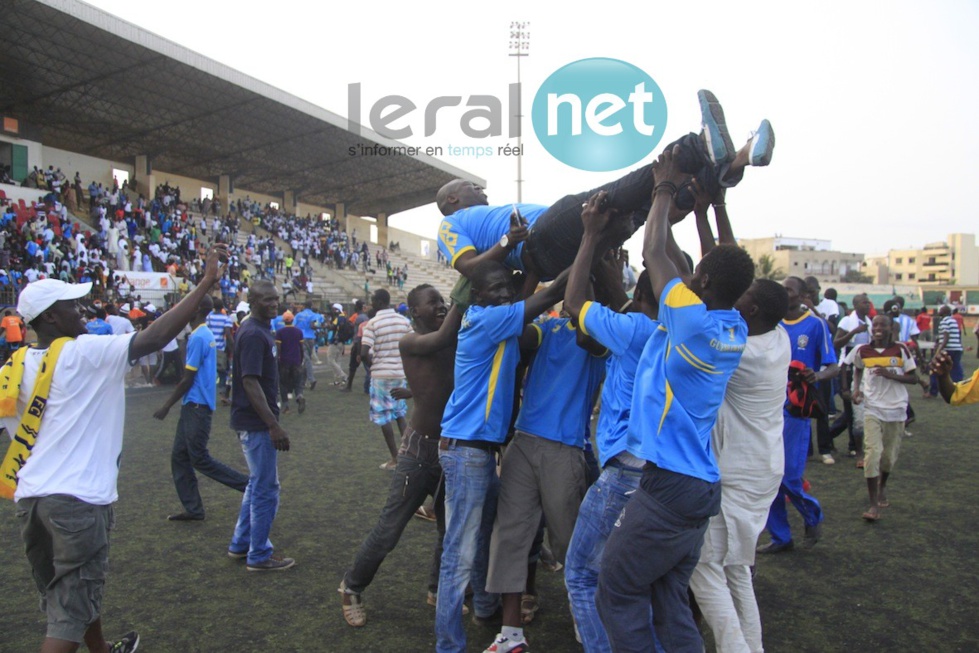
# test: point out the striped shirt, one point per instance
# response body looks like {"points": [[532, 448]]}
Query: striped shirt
{"points": [[217, 323], [382, 334], [951, 327]]}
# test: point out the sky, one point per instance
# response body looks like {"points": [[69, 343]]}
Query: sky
{"points": [[873, 103]]}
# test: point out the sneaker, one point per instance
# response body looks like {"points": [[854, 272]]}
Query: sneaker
{"points": [[273, 563], [813, 533], [773, 547], [354, 612], [505, 645], [762, 145], [433, 600], [720, 147], [236, 555], [128, 643], [312, 385], [828, 459], [301, 402], [389, 466]]}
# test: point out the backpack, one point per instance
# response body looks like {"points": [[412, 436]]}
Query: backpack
{"points": [[345, 330]]}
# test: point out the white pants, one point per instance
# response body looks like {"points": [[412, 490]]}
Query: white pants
{"points": [[727, 599]]}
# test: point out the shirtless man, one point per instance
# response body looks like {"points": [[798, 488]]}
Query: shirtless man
{"points": [[428, 357]]}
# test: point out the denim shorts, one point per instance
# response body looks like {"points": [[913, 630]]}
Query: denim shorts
{"points": [[67, 544]]}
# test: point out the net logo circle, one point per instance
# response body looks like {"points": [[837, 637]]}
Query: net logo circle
{"points": [[599, 114]]}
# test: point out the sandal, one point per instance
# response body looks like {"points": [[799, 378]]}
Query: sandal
{"points": [[870, 516], [354, 614], [529, 605], [425, 513]]}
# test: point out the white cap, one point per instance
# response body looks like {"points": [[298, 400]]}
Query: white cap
{"points": [[41, 295], [150, 308], [337, 307]]}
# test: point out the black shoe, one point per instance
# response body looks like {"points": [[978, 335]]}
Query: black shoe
{"points": [[773, 547], [185, 516], [813, 533], [302, 404], [274, 563], [312, 386], [128, 644]]}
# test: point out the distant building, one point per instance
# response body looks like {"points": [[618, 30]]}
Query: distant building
{"points": [[802, 257], [954, 262]]}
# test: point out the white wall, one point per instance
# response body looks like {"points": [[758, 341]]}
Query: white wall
{"points": [[90, 167]]}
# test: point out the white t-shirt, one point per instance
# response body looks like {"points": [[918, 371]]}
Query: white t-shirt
{"points": [[828, 308], [849, 323], [80, 440], [119, 324], [885, 399]]}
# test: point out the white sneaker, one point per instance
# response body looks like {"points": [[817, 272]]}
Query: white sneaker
{"points": [[828, 459], [505, 645]]}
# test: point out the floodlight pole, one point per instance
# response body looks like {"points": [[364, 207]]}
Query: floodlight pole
{"points": [[519, 48]]}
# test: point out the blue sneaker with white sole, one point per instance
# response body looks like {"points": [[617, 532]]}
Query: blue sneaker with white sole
{"points": [[762, 145], [720, 147]]}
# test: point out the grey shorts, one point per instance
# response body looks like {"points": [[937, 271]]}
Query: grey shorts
{"points": [[67, 544], [538, 476]]}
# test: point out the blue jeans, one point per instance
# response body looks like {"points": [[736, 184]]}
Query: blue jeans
{"points": [[651, 554], [602, 506], [190, 453], [795, 437], [261, 500], [471, 488]]}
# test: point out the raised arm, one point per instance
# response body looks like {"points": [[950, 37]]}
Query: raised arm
{"points": [[655, 254], [539, 301], [168, 326], [424, 344]]}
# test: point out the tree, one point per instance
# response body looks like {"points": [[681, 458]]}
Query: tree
{"points": [[856, 276], [765, 268]]}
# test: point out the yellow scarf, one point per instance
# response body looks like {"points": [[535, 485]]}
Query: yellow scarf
{"points": [[23, 441]]}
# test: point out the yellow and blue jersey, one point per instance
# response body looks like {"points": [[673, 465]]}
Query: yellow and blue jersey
{"points": [[810, 340], [560, 386], [202, 358], [478, 228], [625, 336], [486, 361], [680, 383]]}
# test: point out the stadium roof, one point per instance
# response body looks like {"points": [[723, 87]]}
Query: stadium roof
{"points": [[100, 86]]}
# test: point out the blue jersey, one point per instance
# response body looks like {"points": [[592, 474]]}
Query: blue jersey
{"points": [[486, 361], [478, 228], [278, 322], [680, 383], [560, 388], [202, 358], [99, 327], [305, 319], [810, 341], [625, 336]]}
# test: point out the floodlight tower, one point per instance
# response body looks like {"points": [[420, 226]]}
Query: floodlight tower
{"points": [[519, 48]]}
